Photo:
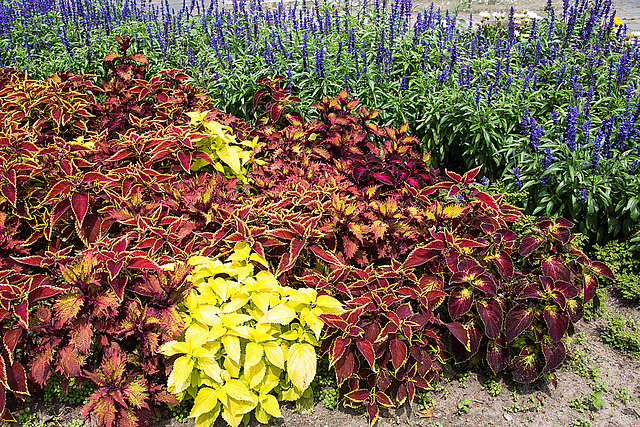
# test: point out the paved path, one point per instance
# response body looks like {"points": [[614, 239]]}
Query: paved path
{"points": [[628, 10]]}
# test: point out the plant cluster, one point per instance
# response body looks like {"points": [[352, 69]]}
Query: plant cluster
{"points": [[558, 90], [622, 333], [249, 341], [103, 207], [86, 222]]}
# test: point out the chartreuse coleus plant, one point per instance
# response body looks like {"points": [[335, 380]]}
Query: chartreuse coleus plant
{"points": [[250, 341], [225, 153]]}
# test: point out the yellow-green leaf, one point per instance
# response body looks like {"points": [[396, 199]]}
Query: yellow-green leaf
{"points": [[270, 404], [228, 155], [210, 366], [274, 354], [280, 314], [205, 401], [253, 354], [329, 304], [255, 374], [237, 390], [181, 373], [208, 419], [232, 346], [301, 364]]}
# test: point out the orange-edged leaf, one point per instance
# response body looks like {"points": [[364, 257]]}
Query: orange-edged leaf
{"points": [[22, 313], [17, 379], [325, 256], [136, 393], [139, 57], [70, 362], [185, 161], [80, 206], [111, 56], [67, 307], [367, 351], [3, 370]]}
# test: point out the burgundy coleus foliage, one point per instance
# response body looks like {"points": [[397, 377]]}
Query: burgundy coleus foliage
{"points": [[88, 215], [382, 349]]}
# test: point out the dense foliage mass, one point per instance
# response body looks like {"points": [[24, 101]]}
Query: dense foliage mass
{"points": [[548, 104], [112, 182], [100, 212]]}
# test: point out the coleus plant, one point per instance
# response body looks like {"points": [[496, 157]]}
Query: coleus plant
{"points": [[85, 227], [249, 341]]}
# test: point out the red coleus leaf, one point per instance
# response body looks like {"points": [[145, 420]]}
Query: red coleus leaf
{"points": [[384, 400], [366, 349], [345, 367], [517, 320], [10, 340], [358, 396], [556, 321], [185, 161], [398, 352], [497, 357], [9, 191], [325, 256], [16, 377], [530, 243], [22, 313], [460, 302], [527, 366], [554, 267], [491, 314], [590, 286], [60, 188], [419, 256], [460, 333], [602, 269], [80, 206], [488, 200], [554, 355], [338, 347], [373, 412], [504, 265], [143, 263]]}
